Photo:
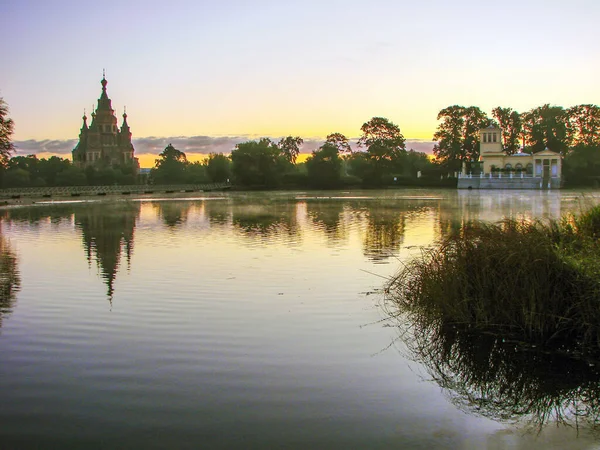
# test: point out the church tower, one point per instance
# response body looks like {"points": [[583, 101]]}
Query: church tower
{"points": [[103, 143]]}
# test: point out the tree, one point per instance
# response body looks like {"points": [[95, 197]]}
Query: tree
{"points": [[510, 123], [339, 141], [290, 147], [71, 176], [457, 135], [475, 120], [449, 137], [51, 167], [584, 125], [358, 164], [385, 145], [170, 166], [546, 127], [258, 163], [416, 162], [17, 177], [195, 173], [324, 167], [382, 138], [582, 165], [6, 131], [30, 164], [218, 167]]}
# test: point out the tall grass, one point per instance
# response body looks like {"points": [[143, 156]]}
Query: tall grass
{"points": [[534, 281]]}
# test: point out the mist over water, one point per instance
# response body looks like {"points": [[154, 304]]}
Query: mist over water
{"points": [[235, 321]]}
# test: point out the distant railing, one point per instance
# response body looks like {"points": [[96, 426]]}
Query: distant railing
{"points": [[502, 175], [76, 191]]}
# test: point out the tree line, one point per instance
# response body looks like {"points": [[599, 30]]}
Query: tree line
{"points": [[573, 132], [380, 159]]}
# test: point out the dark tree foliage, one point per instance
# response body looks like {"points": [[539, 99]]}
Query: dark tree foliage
{"points": [[290, 147], [218, 167], [385, 145], [71, 176], [546, 127], [195, 173], [169, 167], [510, 123], [584, 125], [258, 163], [324, 167], [340, 142], [457, 135], [357, 164], [582, 166], [6, 131], [29, 171], [382, 139]]}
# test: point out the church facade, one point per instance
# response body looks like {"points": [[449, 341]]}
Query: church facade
{"points": [[103, 143]]}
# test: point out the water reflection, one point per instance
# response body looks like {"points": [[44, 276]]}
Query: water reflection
{"points": [[504, 381], [107, 233], [380, 218], [217, 212], [328, 217], [173, 213], [55, 213], [266, 220], [10, 280], [384, 233]]}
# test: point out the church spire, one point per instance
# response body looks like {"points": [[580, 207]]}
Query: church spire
{"points": [[104, 102], [125, 126], [84, 127]]}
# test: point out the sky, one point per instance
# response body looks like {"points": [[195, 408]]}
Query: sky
{"points": [[205, 75]]}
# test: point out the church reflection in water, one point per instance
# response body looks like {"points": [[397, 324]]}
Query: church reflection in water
{"points": [[107, 235]]}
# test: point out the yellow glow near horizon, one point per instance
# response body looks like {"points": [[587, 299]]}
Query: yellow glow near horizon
{"points": [[147, 160]]}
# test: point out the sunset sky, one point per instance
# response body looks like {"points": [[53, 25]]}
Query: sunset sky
{"points": [[208, 74]]}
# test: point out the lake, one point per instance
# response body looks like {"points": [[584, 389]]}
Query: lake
{"points": [[239, 320]]}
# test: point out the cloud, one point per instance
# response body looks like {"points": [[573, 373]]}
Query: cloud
{"points": [[420, 145], [187, 144], [55, 147]]}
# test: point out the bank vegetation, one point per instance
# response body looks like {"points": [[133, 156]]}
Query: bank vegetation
{"points": [[528, 281]]}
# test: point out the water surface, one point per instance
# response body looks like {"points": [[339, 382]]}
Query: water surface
{"points": [[233, 321]]}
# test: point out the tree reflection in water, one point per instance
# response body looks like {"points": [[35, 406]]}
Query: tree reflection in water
{"points": [[10, 280], [173, 213], [327, 216], [384, 234], [504, 381], [267, 221]]}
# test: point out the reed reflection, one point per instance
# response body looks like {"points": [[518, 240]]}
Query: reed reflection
{"points": [[107, 233], [10, 279], [487, 376]]}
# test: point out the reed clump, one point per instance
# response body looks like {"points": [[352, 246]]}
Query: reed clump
{"points": [[531, 281]]}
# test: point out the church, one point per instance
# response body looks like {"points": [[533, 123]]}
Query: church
{"points": [[103, 143]]}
